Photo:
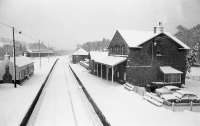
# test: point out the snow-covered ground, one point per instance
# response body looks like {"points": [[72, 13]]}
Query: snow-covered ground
{"points": [[122, 107], [193, 85], [195, 71], [194, 74], [16, 101], [62, 101], [193, 82]]}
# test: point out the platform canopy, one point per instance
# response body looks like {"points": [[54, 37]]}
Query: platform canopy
{"points": [[110, 60], [169, 70]]}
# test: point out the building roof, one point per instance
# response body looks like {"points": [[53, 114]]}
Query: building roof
{"points": [[135, 38], [38, 48], [80, 51], [169, 70], [40, 51]]}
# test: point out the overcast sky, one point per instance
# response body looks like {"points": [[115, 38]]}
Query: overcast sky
{"points": [[64, 23]]}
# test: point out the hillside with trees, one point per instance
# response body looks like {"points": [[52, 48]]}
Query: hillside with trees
{"points": [[6, 46], [95, 45], [191, 37]]}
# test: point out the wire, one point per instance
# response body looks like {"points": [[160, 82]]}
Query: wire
{"points": [[19, 31], [10, 26], [6, 24]]}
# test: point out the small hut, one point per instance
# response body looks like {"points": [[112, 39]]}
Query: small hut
{"points": [[79, 55]]}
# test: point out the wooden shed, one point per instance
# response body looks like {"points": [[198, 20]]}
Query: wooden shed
{"points": [[79, 55]]}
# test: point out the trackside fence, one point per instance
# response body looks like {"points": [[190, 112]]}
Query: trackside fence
{"points": [[94, 105], [31, 108]]}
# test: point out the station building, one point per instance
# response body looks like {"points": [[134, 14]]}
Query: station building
{"points": [[142, 57]]}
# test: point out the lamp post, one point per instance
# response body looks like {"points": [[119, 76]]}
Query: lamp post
{"points": [[48, 51]]}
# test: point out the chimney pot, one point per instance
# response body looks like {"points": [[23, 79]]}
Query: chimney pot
{"points": [[159, 28], [6, 57], [154, 29]]}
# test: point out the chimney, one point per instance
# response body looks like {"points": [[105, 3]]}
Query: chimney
{"points": [[7, 57], [154, 30], [25, 54], [159, 28]]}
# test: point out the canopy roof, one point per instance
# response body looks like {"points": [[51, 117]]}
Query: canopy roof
{"points": [[80, 52], [97, 54], [169, 70], [135, 38], [110, 60]]}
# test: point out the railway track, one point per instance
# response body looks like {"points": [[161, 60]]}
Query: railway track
{"points": [[27, 116], [61, 101], [78, 91]]}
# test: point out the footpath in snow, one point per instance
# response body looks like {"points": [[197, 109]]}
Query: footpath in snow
{"points": [[62, 102], [122, 107], [15, 102]]}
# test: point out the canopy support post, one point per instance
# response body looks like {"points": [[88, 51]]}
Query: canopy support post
{"points": [[107, 70], [112, 74], [101, 71], [97, 70]]}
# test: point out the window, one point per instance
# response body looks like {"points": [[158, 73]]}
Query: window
{"points": [[172, 78], [117, 50]]}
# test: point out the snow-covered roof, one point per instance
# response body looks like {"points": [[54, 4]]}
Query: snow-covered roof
{"points": [[163, 91], [185, 92], [39, 50], [169, 70], [135, 38], [110, 60], [21, 60], [171, 87], [169, 96], [80, 52], [103, 58], [97, 54]]}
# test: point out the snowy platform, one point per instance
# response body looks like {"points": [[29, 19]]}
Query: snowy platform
{"points": [[122, 107], [15, 102]]}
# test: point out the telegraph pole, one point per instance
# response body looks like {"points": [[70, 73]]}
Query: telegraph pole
{"points": [[13, 30], [48, 51], [39, 54]]}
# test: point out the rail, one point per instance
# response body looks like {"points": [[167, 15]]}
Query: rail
{"points": [[31, 108], [94, 105]]}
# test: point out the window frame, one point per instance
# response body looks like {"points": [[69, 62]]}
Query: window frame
{"points": [[171, 78]]}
